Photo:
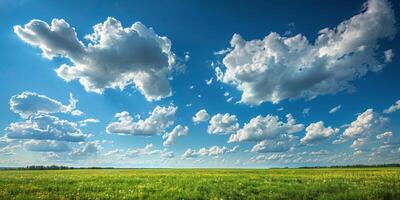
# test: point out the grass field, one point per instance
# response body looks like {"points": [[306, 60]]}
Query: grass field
{"points": [[359, 183]]}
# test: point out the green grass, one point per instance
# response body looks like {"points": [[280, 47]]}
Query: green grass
{"points": [[359, 183]]}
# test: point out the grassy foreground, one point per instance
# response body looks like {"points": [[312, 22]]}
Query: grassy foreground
{"points": [[359, 183]]}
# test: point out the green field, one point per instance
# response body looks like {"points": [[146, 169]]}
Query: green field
{"points": [[358, 183]]}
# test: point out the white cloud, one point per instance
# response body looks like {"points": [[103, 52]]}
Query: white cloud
{"points": [[366, 124], [46, 146], [9, 150], [114, 58], [229, 99], [219, 74], [86, 149], [28, 104], [201, 116], [335, 109], [368, 132], [393, 108], [223, 124], [160, 119], [187, 56], [87, 121], [277, 68], [212, 151], [282, 144], [149, 149], [170, 138], [388, 55], [45, 127], [319, 153], [77, 113], [384, 135], [226, 94], [360, 144], [317, 132], [222, 51], [167, 154], [209, 81], [268, 127]]}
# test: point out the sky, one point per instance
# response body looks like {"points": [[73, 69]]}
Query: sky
{"points": [[241, 84]]}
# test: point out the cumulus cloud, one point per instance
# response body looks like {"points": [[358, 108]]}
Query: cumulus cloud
{"points": [[160, 119], [170, 138], [200, 116], [335, 109], [393, 108], [28, 103], [268, 127], [368, 132], [282, 144], [277, 67], [86, 149], [366, 124], [45, 127], [212, 151], [360, 144], [114, 57], [46, 146], [317, 132], [223, 124], [40, 131]]}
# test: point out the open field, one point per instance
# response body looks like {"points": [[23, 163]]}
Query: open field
{"points": [[358, 183]]}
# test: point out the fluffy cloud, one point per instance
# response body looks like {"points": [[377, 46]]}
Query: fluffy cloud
{"points": [[368, 132], [283, 144], [160, 119], [360, 144], [46, 146], [335, 109], [277, 67], [115, 57], [212, 151], [170, 138], [393, 108], [28, 103], [268, 127], [86, 149], [45, 127], [316, 132], [200, 116], [223, 124], [40, 131], [366, 124]]}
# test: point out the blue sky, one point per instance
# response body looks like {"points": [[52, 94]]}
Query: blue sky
{"points": [[139, 70]]}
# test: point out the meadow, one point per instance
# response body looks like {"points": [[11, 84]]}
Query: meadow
{"points": [[354, 183]]}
